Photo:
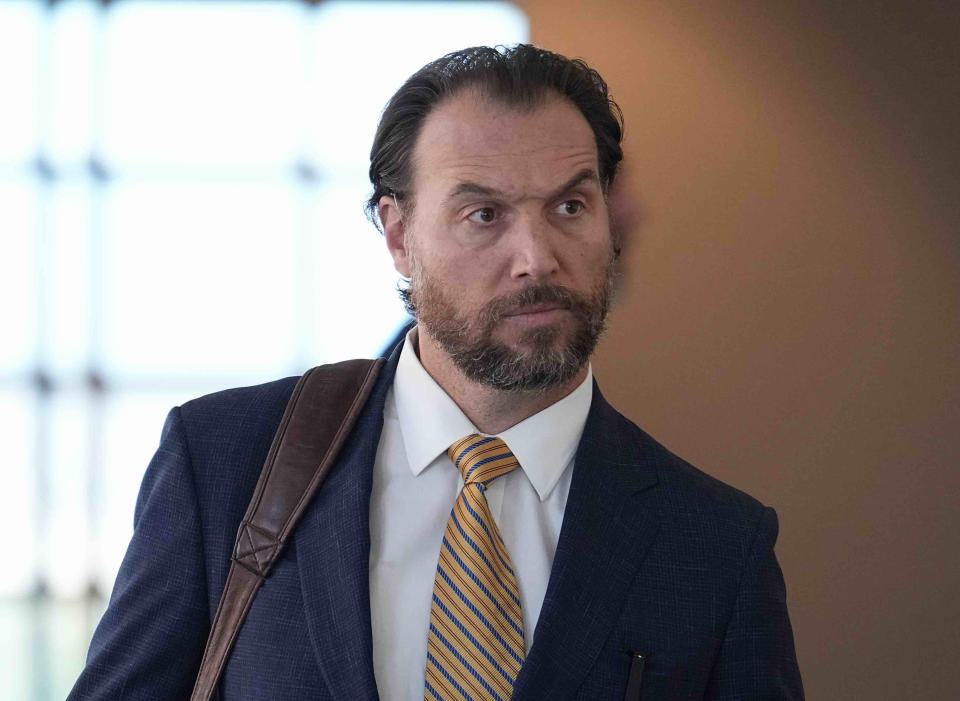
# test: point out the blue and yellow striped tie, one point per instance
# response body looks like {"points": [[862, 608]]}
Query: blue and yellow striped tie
{"points": [[475, 647]]}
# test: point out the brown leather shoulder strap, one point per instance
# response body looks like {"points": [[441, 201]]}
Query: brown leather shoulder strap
{"points": [[319, 416]]}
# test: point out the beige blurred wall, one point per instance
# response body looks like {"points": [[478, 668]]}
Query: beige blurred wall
{"points": [[790, 318]]}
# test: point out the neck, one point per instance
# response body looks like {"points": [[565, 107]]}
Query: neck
{"points": [[491, 410]]}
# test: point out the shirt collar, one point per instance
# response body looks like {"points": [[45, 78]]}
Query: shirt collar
{"points": [[430, 421]]}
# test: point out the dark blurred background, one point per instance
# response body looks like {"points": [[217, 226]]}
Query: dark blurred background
{"points": [[791, 318]]}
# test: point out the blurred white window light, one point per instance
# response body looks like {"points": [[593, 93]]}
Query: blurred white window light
{"points": [[200, 225]]}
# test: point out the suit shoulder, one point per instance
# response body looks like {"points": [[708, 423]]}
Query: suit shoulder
{"points": [[277, 390], [229, 432], [226, 436], [248, 405], [685, 486]]}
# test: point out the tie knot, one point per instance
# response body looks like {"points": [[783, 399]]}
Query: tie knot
{"points": [[481, 458]]}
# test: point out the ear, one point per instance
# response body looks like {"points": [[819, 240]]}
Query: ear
{"points": [[395, 232]]}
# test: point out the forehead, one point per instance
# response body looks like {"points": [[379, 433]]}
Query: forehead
{"points": [[470, 138]]}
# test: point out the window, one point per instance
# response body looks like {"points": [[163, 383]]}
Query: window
{"points": [[181, 191]]}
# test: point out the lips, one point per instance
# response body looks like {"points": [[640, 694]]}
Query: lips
{"points": [[535, 309]]}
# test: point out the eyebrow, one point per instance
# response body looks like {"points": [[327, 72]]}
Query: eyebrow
{"points": [[470, 188]]}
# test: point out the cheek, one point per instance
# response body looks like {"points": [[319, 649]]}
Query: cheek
{"points": [[469, 271], [454, 279], [590, 261]]}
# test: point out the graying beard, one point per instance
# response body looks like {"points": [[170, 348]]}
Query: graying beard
{"points": [[496, 365]]}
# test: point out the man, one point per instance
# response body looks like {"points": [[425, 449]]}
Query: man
{"points": [[581, 560]]}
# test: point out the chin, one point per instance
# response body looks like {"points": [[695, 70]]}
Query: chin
{"points": [[544, 337]]}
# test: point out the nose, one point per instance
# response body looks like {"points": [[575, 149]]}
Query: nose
{"points": [[535, 253]]}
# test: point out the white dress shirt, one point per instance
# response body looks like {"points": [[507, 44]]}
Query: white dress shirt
{"points": [[414, 488]]}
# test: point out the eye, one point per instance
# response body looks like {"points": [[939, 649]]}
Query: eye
{"points": [[484, 215], [570, 208]]}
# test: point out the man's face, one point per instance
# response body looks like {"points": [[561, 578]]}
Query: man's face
{"points": [[508, 247]]}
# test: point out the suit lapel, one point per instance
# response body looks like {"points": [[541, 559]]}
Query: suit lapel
{"points": [[332, 543], [609, 522]]}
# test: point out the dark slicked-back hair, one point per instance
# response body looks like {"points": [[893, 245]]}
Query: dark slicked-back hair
{"points": [[520, 76]]}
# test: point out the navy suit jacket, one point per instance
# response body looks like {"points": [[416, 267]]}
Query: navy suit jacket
{"points": [[653, 557]]}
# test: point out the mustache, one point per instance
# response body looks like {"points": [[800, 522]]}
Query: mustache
{"points": [[535, 294]]}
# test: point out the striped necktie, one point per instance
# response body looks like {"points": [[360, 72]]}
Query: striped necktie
{"points": [[475, 645]]}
